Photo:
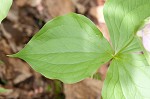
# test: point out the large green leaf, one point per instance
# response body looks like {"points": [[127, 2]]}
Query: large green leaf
{"points": [[69, 48], [128, 77], [4, 8], [123, 18]]}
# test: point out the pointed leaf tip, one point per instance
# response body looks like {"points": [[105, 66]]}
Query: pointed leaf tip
{"points": [[69, 48]]}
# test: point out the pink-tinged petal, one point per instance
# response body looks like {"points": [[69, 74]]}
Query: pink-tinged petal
{"points": [[146, 41], [147, 26], [145, 31]]}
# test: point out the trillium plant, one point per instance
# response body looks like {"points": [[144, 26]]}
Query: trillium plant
{"points": [[71, 48]]}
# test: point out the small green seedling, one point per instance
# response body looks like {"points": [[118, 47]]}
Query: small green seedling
{"points": [[3, 90]]}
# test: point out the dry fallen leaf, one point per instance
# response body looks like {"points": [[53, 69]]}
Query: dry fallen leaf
{"points": [[58, 7], [34, 3], [97, 12], [86, 89]]}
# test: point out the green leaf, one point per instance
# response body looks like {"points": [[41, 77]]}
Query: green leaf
{"points": [[69, 48], [133, 47], [4, 8], [123, 18], [128, 77]]}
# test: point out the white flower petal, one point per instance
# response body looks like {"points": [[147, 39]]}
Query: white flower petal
{"points": [[146, 42], [144, 32]]}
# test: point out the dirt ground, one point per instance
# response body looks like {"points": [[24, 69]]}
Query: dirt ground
{"points": [[26, 18]]}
